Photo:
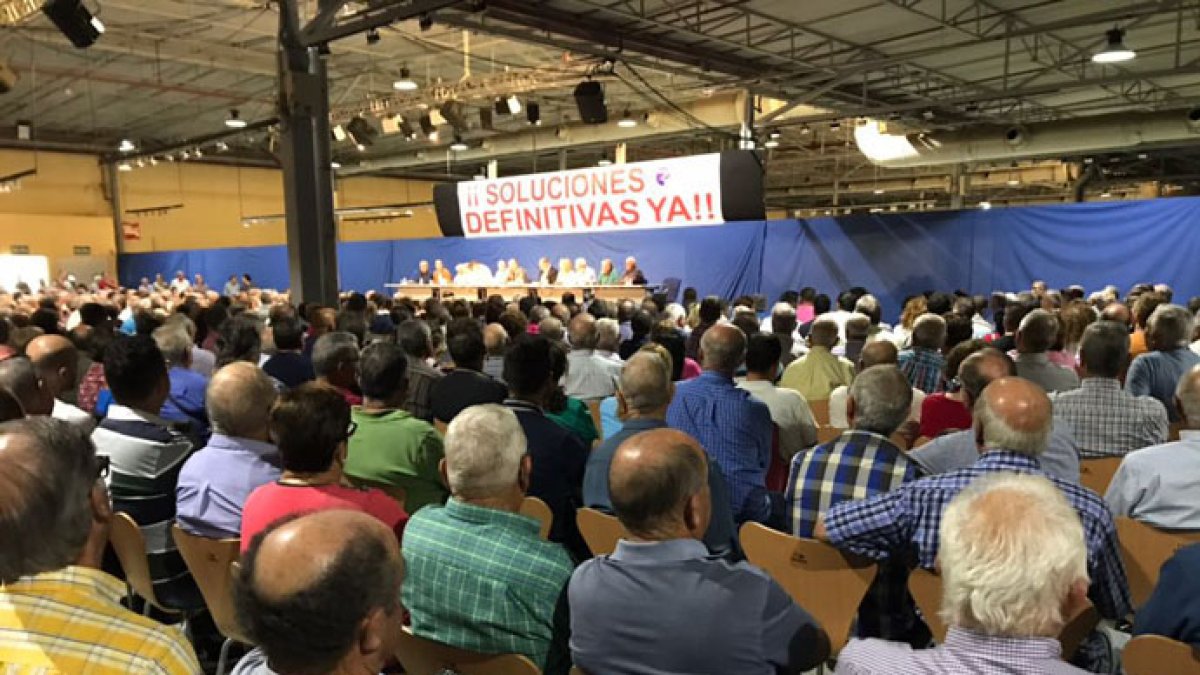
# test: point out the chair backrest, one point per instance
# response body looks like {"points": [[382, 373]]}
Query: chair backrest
{"points": [[130, 546], [1096, 474], [670, 286], [926, 589], [826, 582], [600, 530], [1173, 431], [1158, 655], [1144, 549], [828, 434], [921, 440], [594, 408], [536, 508], [441, 426], [426, 657], [820, 411], [210, 563]]}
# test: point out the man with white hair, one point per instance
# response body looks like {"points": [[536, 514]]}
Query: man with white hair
{"points": [[590, 376], [584, 275], [1156, 485], [923, 363], [1012, 424], [186, 402], [633, 274], [868, 305], [1156, 372], [1035, 336], [479, 577], [782, 324], [608, 339], [1014, 570]]}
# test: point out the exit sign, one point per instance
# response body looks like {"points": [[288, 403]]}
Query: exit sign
{"points": [[20, 249], [83, 250]]}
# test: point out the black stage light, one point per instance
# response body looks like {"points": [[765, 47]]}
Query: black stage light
{"points": [[75, 21], [589, 97]]}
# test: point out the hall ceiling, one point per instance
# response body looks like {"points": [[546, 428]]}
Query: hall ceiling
{"points": [[168, 70]]}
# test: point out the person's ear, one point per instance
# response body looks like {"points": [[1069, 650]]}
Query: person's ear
{"points": [[371, 631], [101, 504], [622, 405], [692, 510], [523, 474], [1179, 409], [851, 410], [444, 472], [978, 435]]}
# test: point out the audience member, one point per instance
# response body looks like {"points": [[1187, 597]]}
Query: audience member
{"points": [[391, 448], [590, 376], [608, 339], [559, 457], [19, 378], [783, 326], [1143, 308], [551, 328], [495, 341], [185, 403], [730, 424], [466, 385], [923, 362], [62, 614], [289, 364], [1156, 484], [1173, 609], [1014, 568], [414, 338], [215, 482], [789, 411], [1012, 426], [874, 353], [709, 313], [240, 339], [10, 407], [816, 374], [948, 410], [858, 331], [1156, 372], [868, 306], [660, 603], [311, 425], [1035, 337], [1106, 420], [570, 413], [479, 577], [320, 595], [56, 361], [145, 454], [335, 359]]}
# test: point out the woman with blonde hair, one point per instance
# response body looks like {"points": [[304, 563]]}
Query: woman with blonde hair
{"points": [[913, 308]]}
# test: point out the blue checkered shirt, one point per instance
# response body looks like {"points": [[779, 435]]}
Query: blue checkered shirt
{"points": [[923, 368], [907, 520], [736, 431], [856, 465]]}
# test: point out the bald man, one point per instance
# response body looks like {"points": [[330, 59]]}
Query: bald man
{"points": [[816, 374], [678, 609], [216, 481], [1012, 425], [732, 426], [873, 354], [57, 364], [19, 378], [320, 594]]}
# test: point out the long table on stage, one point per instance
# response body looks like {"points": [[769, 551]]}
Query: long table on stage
{"points": [[472, 292]]}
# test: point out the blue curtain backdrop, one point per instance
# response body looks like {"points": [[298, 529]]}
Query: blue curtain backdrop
{"points": [[894, 255]]}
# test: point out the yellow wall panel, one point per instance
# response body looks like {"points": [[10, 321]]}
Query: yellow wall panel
{"points": [[56, 236]]}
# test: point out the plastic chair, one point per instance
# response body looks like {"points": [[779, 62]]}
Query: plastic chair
{"points": [[130, 546], [1096, 474], [670, 286], [820, 411], [426, 657], [536, 508], [600, 530], [209, 561], [1158, 655], [826, 582], [1144, 549]]}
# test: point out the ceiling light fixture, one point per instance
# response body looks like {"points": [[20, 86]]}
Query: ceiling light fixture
{"points": [[373, 36], [75, 21], [604, 161], [234, 121], [627, 121], [533, 113], [335, 165], [458, 145], [771, 143], [126, 145], [405, 83], [124, 166], [1115, 51], [222, 146], [805, 130], [985, 205], [198, 153]]}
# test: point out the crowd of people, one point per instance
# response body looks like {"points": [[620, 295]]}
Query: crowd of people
{"points": [[374, 457], [509, 272]]}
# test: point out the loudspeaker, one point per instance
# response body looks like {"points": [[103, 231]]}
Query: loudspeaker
{"points": [[589, 97], [361, 131], [456, 114], [75, 21], [485, 119], [8, 78]]}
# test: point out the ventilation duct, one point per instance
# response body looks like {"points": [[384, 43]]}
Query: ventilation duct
{"points": [[1107, 133]]}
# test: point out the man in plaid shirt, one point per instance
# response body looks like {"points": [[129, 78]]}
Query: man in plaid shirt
{"points": [[1014, 421], [923, 363], [1107, 420], [860, 463]]}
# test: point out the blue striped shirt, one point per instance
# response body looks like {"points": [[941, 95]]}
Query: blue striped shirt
{"points": [[908, 518], [735, 429], [923, 368]]}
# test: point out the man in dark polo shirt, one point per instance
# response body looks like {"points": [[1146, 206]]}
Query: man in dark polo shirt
{"points": [[466, 385]]}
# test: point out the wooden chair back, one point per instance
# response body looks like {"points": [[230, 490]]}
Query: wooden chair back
{"points": [[210, 563], [828, 434], [926, 589], [828, 583], [600, 530], [594, 408], [1173, 431], [1144, 549], [426, 657], [921, 440], [1158, 655], [1096, 474], [130, 546], [820, 411], [536, 508]]}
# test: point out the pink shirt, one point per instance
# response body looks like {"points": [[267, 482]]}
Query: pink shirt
{"points": [[691, 370], [275, 500]]}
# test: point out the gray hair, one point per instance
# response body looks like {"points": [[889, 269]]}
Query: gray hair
{"points": [[239, 399], [174, 343], [824, 333], [868, 305], [608, 334], [882, 399], [582, 330], [46, 519], [1011, 549], [646, 382], [183, 321], [333, 349], [858, 327], [1188, 393], [19, 377], [675, 313], [929, 331], [999, 435], [1170, 326], [484, 449], [1038, 331], [1104, 348], [551, 328], [722, 354]]}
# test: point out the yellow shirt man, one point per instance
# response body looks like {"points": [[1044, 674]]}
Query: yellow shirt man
{"points": [[817, 373]]}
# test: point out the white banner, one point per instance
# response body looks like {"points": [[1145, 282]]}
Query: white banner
{"points": [[680, 192]]}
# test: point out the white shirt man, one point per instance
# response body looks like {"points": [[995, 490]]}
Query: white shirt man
{"points": [[584, 275]]}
